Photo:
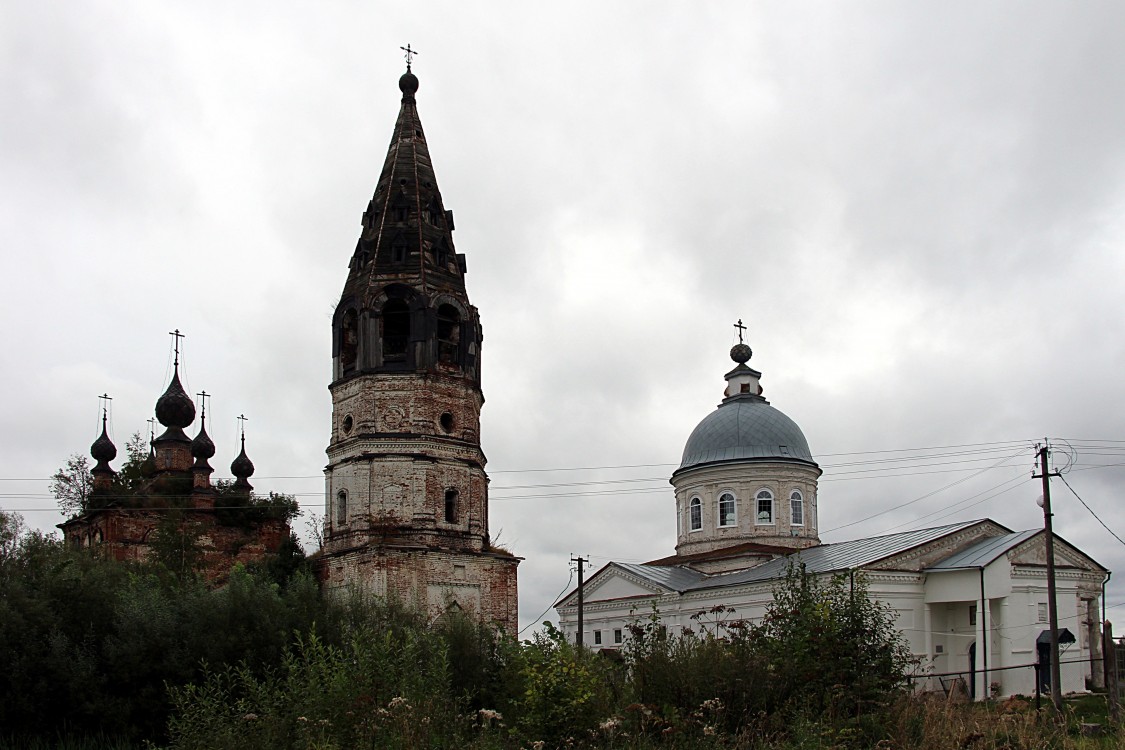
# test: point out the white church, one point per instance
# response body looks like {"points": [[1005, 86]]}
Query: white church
{"points": [[970, 597]]}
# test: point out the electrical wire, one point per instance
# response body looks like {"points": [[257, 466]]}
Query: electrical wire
{"points": [[1092, 513], [549, 606], [962, 480]]}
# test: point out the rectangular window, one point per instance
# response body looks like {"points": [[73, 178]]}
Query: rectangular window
{"points": [[597, 637], [972, 615], [617, 636], [1042, 611]]}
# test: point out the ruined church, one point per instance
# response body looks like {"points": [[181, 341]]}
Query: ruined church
{"points": [[406, 514], [173, 506]]}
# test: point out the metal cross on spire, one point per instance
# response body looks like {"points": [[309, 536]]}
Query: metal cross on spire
{"points": [[104, 400], [176, 336], [740, 328], [151, 430], [410, 53], [242, 426], [203, 396]]}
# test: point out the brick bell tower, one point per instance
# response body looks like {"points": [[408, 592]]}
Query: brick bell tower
{"points": [[406, 507]]}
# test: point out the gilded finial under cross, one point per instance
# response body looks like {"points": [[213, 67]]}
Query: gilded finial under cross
{"points": [[410, 53]]}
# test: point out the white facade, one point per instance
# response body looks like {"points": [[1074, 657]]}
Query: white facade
{"points": [[932, 578], [970, 598]]}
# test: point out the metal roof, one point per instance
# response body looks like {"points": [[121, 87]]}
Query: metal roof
{"points": [[824, 558], [745, 428], [983, 552], [671, 577], [829, 558]]}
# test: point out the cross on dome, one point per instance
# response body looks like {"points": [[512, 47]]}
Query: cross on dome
{"points": [[410, 53]]}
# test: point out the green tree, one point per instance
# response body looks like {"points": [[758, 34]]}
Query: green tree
{"points": [[71, 485], [831, 646], [130, 476], [176, 545]]}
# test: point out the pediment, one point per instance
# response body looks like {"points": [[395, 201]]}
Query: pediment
{"points": [[926, 554], [1033, 552], [612, 583]]}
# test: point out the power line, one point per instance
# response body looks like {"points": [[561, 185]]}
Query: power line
{"points": [[1092, 513], [928, 494], [548, 609]]}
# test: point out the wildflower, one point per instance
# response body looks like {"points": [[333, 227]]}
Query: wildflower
{"points": [[708, 731], [250, 717], [489, 715], [610, 724], [398, 701], [302, 719]]}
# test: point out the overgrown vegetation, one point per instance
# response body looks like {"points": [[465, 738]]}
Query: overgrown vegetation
{"points": [[97, 654], [72, 486]]}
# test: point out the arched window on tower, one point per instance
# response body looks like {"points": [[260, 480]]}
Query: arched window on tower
{"points": [[727, 513], [451, 506], [796, 508], [341, 507], [396, 330], [695, 514], [765, 507], [349, 342], [448, 333]]}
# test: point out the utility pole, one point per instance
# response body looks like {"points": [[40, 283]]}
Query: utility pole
{"points": [[1052, 606], [581, 561]]}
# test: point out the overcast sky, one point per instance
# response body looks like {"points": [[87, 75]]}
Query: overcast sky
{"points": [[916, 208]]}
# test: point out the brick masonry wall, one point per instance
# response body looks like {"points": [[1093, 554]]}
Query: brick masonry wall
{"points": [[429, 581], [126, 534]]}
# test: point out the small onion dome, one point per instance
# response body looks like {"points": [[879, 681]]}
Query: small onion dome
{"points": [[175, 408], [408, 85], [202, 447], [741, 353], [242, 467], [103, 450]]}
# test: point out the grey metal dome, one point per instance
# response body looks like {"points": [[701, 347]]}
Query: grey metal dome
{"points": [[745, 428]]}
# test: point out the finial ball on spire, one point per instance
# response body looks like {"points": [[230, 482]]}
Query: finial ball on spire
{"points": [[741, 353], [408, 84]]}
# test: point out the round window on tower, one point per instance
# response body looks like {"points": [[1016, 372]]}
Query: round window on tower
{"points": [[447, 421], [347, 425]]}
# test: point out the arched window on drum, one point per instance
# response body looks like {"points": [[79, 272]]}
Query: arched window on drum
{"points": [[796, 508], [764, 515], [728, 515]]}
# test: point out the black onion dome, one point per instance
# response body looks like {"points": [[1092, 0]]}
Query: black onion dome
{"points": [[741, 353], [175, 408], [103, 450], [242, 467], [202, 446], [408, 84]]}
